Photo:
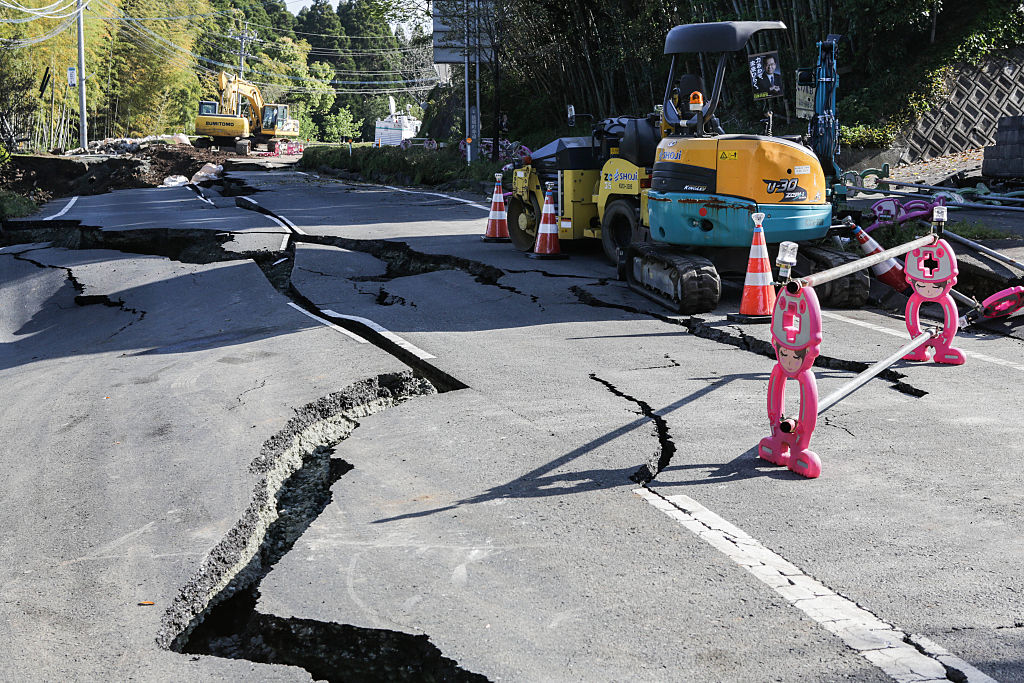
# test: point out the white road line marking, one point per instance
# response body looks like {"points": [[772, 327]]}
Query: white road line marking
{"points": [[64, 210], [280, 260], [904, 335], [879, 642], [302, 173], [288, 224], [384, 332], [940, 653], [861, 323], [438, 194], [284, 242], [291, 225], [278, 221], [328, 323]]}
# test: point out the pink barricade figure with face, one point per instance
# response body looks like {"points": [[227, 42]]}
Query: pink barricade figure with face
{"points": [[796, 336], [932, 271]]}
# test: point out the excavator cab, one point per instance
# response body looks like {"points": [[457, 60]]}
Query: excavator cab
{"points": [[705, 185]]}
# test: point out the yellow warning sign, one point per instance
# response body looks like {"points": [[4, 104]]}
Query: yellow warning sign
{"points": [[729, 155]]}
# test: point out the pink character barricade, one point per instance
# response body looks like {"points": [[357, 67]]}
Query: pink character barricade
{"points": [[931, 271], [796, 336]]}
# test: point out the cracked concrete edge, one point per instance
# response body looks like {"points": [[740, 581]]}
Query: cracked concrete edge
{"points": [[956, 668], [234, 564]]}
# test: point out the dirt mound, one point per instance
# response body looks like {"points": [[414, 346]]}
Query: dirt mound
{"points": [[44, 177]]}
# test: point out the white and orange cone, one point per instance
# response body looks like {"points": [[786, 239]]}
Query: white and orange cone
{"points": [[758, 291], [497, 221], [546, 246], [889, 272]]}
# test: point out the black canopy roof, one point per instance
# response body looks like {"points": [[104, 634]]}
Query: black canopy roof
{"points": [[720, 36]]}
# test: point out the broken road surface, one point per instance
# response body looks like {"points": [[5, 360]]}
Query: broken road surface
{"points": [[332, 435]]}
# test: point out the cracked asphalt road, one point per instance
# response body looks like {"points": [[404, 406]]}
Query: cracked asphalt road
{"points": [[172, 437]]}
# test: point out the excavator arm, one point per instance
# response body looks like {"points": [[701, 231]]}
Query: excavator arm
{"points": [[231, 87]]}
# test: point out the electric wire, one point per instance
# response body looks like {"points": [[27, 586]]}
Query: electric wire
{"points": [[47, 15], [403, 82], [18, 43]]}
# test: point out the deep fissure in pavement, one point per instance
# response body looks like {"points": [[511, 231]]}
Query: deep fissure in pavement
{"points": [[666, 447], [215, 612], [82, 299], [206, 246]]}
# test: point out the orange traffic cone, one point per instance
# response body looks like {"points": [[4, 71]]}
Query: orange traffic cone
{"points": [[546, 246], [497, 223], [889, 272], [758, 292]]}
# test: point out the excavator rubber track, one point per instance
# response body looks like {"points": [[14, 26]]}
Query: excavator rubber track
{"points": [[684, 283], [846, 292]]}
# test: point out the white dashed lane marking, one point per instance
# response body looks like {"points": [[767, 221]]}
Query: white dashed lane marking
{"points": [[905, 658]]}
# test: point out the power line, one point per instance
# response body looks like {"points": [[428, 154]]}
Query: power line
{"points": [[324, 35], [36, 15], [16, 43]]}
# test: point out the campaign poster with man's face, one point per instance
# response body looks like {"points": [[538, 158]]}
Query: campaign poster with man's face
{"points": [[765, 75]]}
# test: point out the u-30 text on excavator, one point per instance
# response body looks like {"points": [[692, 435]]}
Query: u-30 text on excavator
{"points": [[670, 195], [254, 122]]}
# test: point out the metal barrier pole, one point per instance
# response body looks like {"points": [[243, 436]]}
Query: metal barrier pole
{"points": [[983, 249], [939, 188], [864, 377], [815, 279]]}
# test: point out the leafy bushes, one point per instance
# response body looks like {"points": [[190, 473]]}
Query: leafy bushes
{"points": [[15, 206], [862, 135], [416, 166]]}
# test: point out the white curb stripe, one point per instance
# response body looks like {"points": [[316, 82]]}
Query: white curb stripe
{"points": [[291, 225], [903, 335], [438, 194], [879, 642], [328, 323], [384, 332], [64, 210], [284, 241]]}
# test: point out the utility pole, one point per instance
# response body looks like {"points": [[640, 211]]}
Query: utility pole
{"points": [[469, 134], [479, 118], [53, 88], [245, 36], [83, 131], [495, 40]]}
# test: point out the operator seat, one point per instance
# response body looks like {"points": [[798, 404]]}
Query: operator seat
{"points": [[639, 143]]}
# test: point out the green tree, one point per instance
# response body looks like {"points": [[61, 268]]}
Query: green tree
{"points": [[16, 100]]}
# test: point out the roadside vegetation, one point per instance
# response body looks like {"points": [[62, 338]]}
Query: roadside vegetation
{"points": [[894, 235], [395, 165], [15, 205]]}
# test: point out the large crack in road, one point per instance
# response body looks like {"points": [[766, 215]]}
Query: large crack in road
{"points": [[216, 611]]}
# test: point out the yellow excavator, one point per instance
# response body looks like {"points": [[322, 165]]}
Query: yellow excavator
{"points": [[241, 119]]}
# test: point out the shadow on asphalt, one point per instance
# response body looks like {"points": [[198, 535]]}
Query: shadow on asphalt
{"points": [[537, 483]]}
